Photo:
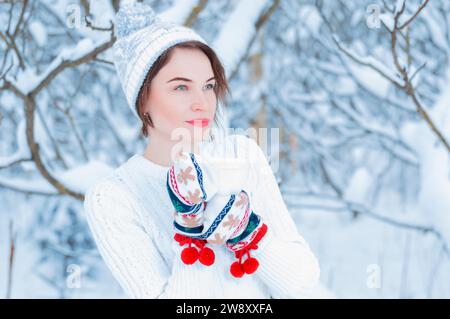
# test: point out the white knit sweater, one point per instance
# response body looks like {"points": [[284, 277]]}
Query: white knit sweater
{"points": [[130, 216]]}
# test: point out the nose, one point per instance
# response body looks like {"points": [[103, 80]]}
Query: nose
{"points": [[199, 102]]}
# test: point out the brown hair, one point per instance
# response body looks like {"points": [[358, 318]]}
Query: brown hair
{"points": [[221, 89]]}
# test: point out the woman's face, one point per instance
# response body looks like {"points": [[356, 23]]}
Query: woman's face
{"points": [[181, 92]]}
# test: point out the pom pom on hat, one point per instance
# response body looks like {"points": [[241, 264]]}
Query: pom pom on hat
{"points": [[132, 17]]}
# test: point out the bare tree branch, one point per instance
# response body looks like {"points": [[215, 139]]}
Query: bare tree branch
{"points": [[407, 85], [15, 162], [195, 13], [30, 107], [414, 15], [27, 191], [72, 63], [12, 246]]}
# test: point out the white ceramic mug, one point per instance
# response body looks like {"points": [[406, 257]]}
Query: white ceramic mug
{"points": [[232, 174]]}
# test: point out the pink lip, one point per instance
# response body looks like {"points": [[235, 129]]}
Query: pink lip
{"points": [[199, 122]]}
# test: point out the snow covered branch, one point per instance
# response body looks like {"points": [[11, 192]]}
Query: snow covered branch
{"points": [[408, 21], [84, 52], [370, 62], [406, 83], [409, 87], [10, 37], [324, 202], [250, 15]]}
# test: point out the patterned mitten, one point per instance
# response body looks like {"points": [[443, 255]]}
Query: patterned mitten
{"points": [[248, 230], [190, 183], [229, 220]]}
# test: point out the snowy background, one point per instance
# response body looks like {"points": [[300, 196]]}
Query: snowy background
{"points": [[359, 90]]}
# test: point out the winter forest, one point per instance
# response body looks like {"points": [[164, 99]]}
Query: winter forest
{"points": [[358, 90]]}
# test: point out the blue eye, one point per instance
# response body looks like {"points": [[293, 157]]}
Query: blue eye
{"points": [[179, 86], [211, 86]]}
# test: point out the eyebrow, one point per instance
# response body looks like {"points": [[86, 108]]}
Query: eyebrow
{"points": [[187, 80]]}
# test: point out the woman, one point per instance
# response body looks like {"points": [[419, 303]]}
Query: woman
{"points": [[173, 81]]}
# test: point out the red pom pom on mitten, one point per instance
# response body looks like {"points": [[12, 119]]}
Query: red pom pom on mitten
{"points": [[196, 250], [251, 264]]}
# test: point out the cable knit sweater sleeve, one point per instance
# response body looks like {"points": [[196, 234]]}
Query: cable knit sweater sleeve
{"points": [[129, 251], [287, 264]]}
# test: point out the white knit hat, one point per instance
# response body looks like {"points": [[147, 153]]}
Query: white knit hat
{"points": [[141, 38]]}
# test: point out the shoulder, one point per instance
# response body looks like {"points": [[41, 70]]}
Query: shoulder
{"points": [[105, 191], [106, 204], [110, 184], [108, 191], [105, 185]]}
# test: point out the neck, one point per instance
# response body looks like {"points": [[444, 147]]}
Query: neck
{"points": [[159, 150]]}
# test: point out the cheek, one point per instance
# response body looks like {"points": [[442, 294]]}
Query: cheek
{"points": [[213, 102], [166, 110], [213, 105]]}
